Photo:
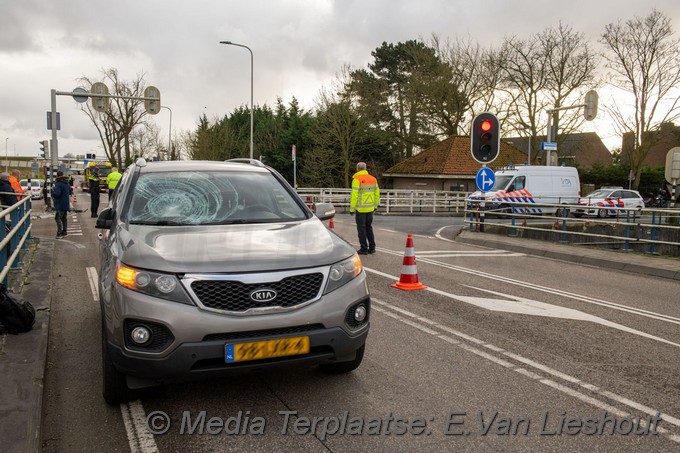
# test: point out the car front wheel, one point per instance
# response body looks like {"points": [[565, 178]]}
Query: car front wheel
{"points": [[114, 388], [344, 367]]}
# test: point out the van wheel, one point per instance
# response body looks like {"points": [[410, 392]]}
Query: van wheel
{"points": [[562, 212], [114, 388], [344, 367]]}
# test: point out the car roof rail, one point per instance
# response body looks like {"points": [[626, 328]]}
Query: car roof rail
{"points": [[245, 160], [140, 162]]}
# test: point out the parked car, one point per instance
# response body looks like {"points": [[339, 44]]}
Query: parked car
{"points": [[214, 268], [35, 188], [595, 203]]}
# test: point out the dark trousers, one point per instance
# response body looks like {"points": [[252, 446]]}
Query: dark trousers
{"points": [[94, 202], [61, 217], [365, 230]]}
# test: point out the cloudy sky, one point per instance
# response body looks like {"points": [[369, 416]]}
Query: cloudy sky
{"points": [[298, 45]]}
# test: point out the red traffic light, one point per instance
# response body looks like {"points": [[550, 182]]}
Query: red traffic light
{"points": [[486, 125]]}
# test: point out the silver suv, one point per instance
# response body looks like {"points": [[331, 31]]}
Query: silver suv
{"points": [[213, 268]]}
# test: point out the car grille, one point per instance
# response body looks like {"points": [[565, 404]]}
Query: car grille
{"points": [[234, 296]]}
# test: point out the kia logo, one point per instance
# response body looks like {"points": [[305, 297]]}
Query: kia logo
{"points": [[263, 295]]}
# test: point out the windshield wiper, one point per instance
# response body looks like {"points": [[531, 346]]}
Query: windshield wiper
{"points": [[160, 223]]}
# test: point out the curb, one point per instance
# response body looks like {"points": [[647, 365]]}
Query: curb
{"points": [[24, 356], [599, 258]]}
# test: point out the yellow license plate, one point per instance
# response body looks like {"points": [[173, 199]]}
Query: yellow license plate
{"points": [[256, 350]]}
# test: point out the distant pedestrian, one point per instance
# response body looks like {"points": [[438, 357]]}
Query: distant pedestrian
{"points": [[6, 199], [364, 200], [14, 182], [112, 182], [61, 194], [94, 191]]}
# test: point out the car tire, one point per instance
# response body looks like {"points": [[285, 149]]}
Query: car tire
{"points": [[344, 367], [114, 384], [560, 211], [602, 213], [577, 214]]}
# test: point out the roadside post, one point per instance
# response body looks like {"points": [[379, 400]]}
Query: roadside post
{"points": [[672, 175]]}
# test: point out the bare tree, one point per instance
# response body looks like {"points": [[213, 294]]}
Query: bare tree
{"points": [[644, 60], [115, 125], [548, 70], [475, 76]]}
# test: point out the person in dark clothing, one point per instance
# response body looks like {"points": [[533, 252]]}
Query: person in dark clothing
{"points": [[61, 195], [94, 191], [6, 199]]}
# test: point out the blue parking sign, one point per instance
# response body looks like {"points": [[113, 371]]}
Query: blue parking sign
{"points": [[485, 179]]}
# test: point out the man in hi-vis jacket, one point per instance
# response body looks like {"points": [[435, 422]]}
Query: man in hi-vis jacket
{"points": [[365, 199]]}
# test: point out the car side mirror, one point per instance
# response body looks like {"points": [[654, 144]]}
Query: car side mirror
{"points": [[324, 211], [105, 219]]}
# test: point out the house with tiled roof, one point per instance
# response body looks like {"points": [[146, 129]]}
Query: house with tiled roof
{"points": [[447, 165], [583, 149]]}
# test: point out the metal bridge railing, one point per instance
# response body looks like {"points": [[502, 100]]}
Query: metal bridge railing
{"points": [[393, 201], [13, 234], [649, 230]]}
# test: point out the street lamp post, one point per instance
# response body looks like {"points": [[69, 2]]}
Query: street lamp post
{"points": [[251, 89], [6, 157], [169, 133]]}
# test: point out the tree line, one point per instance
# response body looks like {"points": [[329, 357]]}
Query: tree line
{"points": [[416, 93]]}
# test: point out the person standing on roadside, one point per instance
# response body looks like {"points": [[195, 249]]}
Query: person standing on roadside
{"points": [[94, 191], [14, 182], [112, 182], [61, 194], [6, 199], [364, 200]]}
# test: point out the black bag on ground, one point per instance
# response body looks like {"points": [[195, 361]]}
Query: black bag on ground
{"points": [[16, 315]]}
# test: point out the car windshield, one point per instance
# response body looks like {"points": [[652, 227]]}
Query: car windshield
{"points": [[502, 182], [599, 194], [211, 198]]}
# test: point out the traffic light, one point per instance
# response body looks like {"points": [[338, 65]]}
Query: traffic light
{"points": [[485, 139], [44, 149]]}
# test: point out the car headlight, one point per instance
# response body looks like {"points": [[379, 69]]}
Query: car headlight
{"points": [[343, 272], [156, 284]]}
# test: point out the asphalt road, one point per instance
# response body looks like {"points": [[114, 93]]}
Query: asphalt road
{"points": [[502, 352]]}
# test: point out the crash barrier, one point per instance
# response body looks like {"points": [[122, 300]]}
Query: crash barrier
{"points": [[393, 201], [15, 230], [647, 230]]}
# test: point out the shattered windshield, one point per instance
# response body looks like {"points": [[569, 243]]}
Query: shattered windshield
{"points": [[210, 198]]}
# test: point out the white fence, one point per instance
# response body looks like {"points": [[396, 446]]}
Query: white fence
{"points": [[394, 201]]}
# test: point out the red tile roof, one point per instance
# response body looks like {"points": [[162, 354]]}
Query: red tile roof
{"points": [[452, 157]]}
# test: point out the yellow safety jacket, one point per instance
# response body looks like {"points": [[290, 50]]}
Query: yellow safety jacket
{"points": [[365, 192], [113, 179]]}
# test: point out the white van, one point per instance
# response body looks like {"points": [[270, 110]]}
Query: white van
{"points": [[532, 184]]}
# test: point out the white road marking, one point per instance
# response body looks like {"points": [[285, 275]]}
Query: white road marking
{"points": [[559, 292], [92, 277], [384, 308], [139, 437], [531, 307], [134, 418]]}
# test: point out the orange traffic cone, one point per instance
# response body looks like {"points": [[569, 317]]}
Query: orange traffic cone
{"points": [[331, 224], [409, 274]]}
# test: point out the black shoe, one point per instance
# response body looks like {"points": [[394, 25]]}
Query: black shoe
{"points": [[59, 236], [371, 252], [363, 252]]}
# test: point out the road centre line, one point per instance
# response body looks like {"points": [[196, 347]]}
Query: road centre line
{"points": [[385, 308], [92, 277], [558, 292]]}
